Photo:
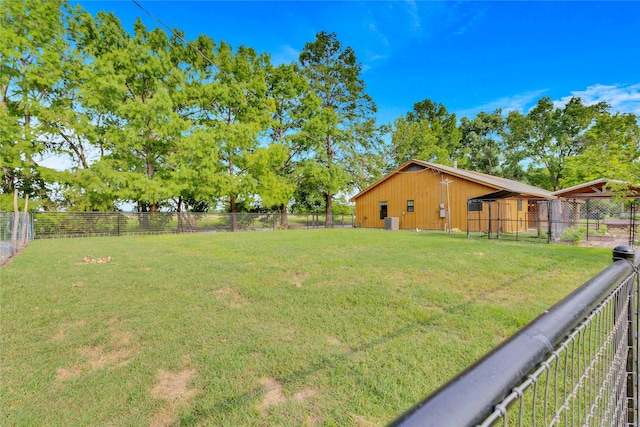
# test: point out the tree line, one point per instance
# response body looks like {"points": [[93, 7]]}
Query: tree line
{"points": [[154, 120]]}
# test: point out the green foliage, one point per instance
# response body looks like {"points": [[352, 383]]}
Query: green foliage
{"points": [[428, 133], [343, 128], [550, 136], [574, 235]]}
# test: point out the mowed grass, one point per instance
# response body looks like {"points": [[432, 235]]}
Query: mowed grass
{"points": [[309, 327]]}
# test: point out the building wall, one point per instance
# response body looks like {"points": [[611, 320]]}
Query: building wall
{"points": [[428, 189]]}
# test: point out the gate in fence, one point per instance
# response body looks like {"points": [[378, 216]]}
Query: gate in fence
{"points": [[575, 365]]}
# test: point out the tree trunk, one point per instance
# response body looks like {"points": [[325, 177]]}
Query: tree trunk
{"points": [[233, 209], [16, 219], [180, 228], [284, 218], [328, 220]]}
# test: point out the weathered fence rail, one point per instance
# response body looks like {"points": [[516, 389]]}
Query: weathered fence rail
{"points": [[575, 365]]}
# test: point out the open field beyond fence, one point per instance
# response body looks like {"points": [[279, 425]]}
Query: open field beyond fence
{"points": [[308, 327]]}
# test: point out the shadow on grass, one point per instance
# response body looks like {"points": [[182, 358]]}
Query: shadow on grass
{"points": [[324, 362]]}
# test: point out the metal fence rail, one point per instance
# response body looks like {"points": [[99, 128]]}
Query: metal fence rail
{"points": [[575, 365], [90, 224]]}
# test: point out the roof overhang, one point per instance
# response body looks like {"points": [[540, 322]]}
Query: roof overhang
{"points": [[599, 189], [506, 194]]}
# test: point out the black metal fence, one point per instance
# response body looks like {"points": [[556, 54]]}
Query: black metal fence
{"points": [[16, 229], [88, 224], [575, 365], [589, 222]]}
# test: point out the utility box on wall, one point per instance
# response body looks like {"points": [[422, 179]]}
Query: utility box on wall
{"points": [[391, 223]]}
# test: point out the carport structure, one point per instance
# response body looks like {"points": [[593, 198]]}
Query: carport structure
{"points": [[604, 202], [597, 213]]}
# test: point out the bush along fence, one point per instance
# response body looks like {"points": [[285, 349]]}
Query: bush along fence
{"points": [[16, 230], [591, 222], [89, 224], [576, 364]]}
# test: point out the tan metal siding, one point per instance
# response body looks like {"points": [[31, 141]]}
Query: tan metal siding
{"points": [[425, 188]]}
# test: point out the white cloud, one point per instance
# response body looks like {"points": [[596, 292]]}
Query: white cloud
{"points": [[412, 9], [285, 55], [625, 99], [520, 102]]}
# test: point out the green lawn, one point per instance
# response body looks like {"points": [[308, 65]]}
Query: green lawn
{"points": [[308, 327]]}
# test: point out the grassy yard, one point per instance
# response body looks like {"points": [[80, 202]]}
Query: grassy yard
{"points": [[309, 327]]}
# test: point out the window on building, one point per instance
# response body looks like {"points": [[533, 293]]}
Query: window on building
{"points": [[475, 206], [383, 210], [519, 205], [410, 206]]}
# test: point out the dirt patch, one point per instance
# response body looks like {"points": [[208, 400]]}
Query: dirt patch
{"points": [[299, 278], [116, 354], [88, 259], [290, 333], [333, 341], [360, 421], [77, 285], [273, 394], [65, 374], [59, 336], [98, 358], [174, 388], [230, 297], [479, 254], [304, 394]]}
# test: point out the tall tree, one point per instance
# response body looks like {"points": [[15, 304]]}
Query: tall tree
{"points": [[429, 133], [32, 57], [236, 116], [137, 83], [293, 104], [333, 73], [481, 143], [551, 136], [613, 151]]}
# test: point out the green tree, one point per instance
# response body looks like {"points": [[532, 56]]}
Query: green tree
{"points": [[613, 151], [32, 60], [137, 87], [551, 136], [481, 144], [236, 116], [340, 129], [428, 133], [293, 104]]}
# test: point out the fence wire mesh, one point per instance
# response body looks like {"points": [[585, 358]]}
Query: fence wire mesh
{"points": [[15, 231], [587, 380], [588, 222], [89, 224], [575, 365]]}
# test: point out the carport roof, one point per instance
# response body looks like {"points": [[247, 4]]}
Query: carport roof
{"points": [[595, 189]]}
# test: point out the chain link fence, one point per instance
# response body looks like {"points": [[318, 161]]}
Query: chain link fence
{"points": [[16, 229], [90, 224], [588, 222]]}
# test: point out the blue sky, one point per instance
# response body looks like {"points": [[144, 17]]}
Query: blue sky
{"points": [[470, 56]]}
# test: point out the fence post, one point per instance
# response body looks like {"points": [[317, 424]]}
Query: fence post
{"points": [[626, 253]]}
